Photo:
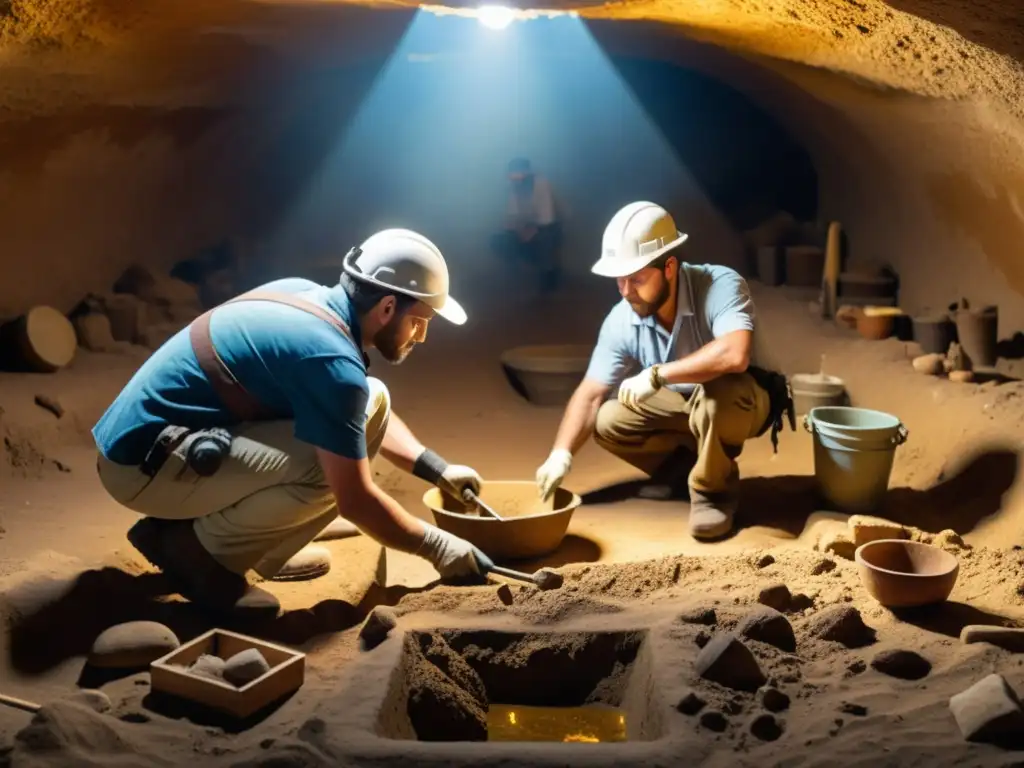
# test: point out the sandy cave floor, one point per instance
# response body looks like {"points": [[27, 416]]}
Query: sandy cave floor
{"points": [[959, 470]]}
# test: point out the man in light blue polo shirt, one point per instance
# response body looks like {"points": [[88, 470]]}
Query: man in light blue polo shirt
{"points": [[247, 433], [674, 356]]}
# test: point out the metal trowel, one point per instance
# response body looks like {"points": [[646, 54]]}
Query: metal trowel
{"points": [[472, 499]]}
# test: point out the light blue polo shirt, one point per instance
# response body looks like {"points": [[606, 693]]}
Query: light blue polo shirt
{"points": [[713, 301], [289, 360]]}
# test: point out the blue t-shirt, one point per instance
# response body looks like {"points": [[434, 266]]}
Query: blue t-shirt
{"points": [[291, 361], [713, 301]]}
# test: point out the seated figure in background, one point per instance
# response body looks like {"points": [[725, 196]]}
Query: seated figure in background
{"points": [[532, 231]]}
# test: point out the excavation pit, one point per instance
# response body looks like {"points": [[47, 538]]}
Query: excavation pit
{"points": [[484, 685]]}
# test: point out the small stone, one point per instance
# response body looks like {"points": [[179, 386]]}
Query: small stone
{"points": [[727, 661], [905, 665], [866, 529], [702, 638], [691, 703], [961, 377], [766, 625], [95, 700], [824, 565], [930, 365], [714, 721], [208, 666], [775, 596], [839, 544], [774, 700], [949, 540], [765, 560], [699, 615], [841, 624], [505, 594], [245, 666], [94, 332], [766, 727], [855, 667], [989, 711], [377, 626], [1008, 638], [857, 710], [132, 644]]}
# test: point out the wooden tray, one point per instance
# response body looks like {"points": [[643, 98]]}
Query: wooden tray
{"points": [[170, 674]]}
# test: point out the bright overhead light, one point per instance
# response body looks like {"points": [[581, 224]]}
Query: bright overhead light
{"points": [[495, 16]]}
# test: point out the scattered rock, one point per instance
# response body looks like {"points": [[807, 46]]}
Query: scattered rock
{"points": [[906, 665], [841, 624], [774, 700], [961, 377], [989, 711], [95, 700], [930, 365], [245, 666], [209, 666], [855, 668], [133, 644], [949, 540], [691, 703], [865, 528], [505, 594], [1007, 638], [50, 404], [377, 626], [702, 638], [765, 560], [775, 596], [699, 615], [125, 313], [714, 721], [766, 625], [310, 562], [857, 710], [94, 332], [955, 359], [727, 661], [838, 543], [823, 566], [766, 727]]}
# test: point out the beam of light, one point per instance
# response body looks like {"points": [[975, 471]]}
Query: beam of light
{"points": [[428, 145], [495, 16]]}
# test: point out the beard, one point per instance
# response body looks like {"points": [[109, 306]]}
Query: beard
{"points": [[648, 308], [386, 342]]}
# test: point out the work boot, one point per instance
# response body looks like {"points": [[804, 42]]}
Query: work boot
{"points": [[669, 481], [711, 514], [173, 547]]}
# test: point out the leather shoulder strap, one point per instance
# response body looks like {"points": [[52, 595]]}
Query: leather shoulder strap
{"points": [[239, 402]]}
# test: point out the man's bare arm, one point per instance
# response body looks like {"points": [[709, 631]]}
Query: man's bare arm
{"points": [[727, 354], [400, 446], [361, 502], [580, 415]]}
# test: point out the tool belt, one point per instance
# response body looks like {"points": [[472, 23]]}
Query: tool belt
{"points": [[239, 402], [780, 400]]}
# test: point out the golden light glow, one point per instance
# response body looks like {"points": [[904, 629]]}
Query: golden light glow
{"points": [[578, 725], [583, 737]]}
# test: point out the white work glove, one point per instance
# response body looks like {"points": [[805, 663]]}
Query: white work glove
{"points": [[552, 472], [637, 389], [452, 557], [457, 477]]}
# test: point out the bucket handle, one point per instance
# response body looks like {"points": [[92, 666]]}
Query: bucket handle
{"points": [[902, 433]]}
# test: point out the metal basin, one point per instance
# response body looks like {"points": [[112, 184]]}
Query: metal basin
{"points": [[531, 528], [546, 375], [903, 574]]}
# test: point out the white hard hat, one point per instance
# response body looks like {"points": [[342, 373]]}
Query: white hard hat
{"points": [[637, 235], [406, 262]]}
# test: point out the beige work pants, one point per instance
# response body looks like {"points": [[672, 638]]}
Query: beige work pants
{"points": [[713, 422], [266, 502]]}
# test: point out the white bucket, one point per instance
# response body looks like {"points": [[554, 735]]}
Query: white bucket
{"points": [[853, 454]]}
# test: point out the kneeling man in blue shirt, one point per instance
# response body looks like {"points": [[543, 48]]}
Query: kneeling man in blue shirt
{"points": [[247, 433], [670, 387]]}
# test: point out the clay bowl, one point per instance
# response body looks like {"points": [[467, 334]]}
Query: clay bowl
{"points": [[546, 375], [875, 323], [531, 528], [905, 574]]}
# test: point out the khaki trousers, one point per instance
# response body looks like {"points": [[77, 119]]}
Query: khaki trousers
{"points": [[713, 422], [267, 501]]}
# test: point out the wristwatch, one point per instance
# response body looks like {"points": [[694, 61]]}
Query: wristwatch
{"points": [[656, 378]]}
